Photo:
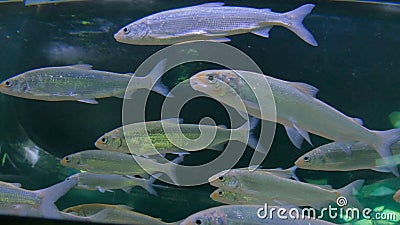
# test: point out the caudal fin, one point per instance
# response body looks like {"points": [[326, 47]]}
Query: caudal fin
{"points": [[385, 140], [51, 194], [347, 193], [240, 134], [155, 78], [296, 17]]}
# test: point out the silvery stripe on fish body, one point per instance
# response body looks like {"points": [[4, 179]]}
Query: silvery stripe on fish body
{"points": [[210, 20]]}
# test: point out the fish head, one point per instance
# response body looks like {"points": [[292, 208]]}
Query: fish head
{"points": [[316, 159], [225, 179], [15, 86], [72, 161], [112, 141], [132, 33], [216, 83], [223, 196], [305, 161]]}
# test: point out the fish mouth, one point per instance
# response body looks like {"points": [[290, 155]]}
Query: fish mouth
{"points": [[196, 85]]}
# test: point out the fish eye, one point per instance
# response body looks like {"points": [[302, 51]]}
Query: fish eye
{"points": [[306, 158], [104, 140], [198, 222], [221, 178], [221, 193], [126, 30], [9, 83], [67, 159], [211, 78]]}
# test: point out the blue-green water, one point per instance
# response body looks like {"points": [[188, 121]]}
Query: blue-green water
{"points": [[355, 67]]}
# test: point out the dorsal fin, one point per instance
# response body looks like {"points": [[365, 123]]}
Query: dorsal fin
{"points": [[358, 120], [211, 4], [305, 88], [82, 66]]}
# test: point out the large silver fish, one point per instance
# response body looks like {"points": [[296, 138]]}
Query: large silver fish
{"points": [[296, 108], [212, 21], [145, 137], [78, 83]]}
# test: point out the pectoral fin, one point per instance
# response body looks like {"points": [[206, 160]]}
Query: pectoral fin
{"points": [[297, 135], [262, 32], [88, 101]]}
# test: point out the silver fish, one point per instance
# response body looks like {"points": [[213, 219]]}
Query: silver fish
{"points": [[78, 83], [108, 182], [40, 203], [331, 157], [212, 21], [143, 137], [296, 108], [269, 186], [107, 162]]}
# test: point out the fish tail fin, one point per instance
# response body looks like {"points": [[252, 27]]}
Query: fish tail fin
{"points": [[155, 79], [252, 141], [348, 193], [385, 140], [149, 184], [296, 18], [51, 194]]}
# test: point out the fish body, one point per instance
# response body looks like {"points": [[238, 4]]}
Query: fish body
{"points": [[40, 203], [108, 182], [246, 215], [297, 109], [107, 162], [212, 21], [331, 157], [77, 83], [145, 136], [116, 214], [279, 189]]}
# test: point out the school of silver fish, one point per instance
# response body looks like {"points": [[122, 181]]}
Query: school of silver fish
{"points": [[116, 166]]}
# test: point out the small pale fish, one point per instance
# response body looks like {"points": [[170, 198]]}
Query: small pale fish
{"points": [[79, 83], [212, 21], [249, 215], [107, 162], [396, 196], [145, 137], [282, 190], [117, 214], [296, 108], [109, 182], [40, 203], [331, 157], [41, 2]]}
